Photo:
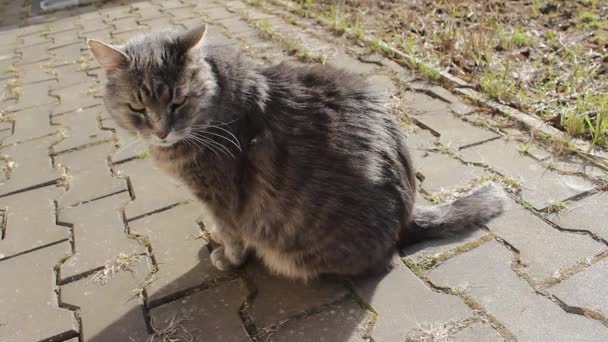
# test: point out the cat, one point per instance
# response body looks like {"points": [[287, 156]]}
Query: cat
{"points": [[300, 164]]}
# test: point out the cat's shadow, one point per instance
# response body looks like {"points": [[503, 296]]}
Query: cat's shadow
{"points": [[251, 301]]}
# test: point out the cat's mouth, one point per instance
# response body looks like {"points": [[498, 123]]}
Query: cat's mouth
{"points": [[171, 139]]}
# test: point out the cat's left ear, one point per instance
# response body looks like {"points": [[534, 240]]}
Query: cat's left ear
{"points": [[194, 38]]}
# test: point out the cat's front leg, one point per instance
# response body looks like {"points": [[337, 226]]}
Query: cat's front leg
{"points": [[232, 254]]}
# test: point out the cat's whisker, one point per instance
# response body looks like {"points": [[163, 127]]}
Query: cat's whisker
{"points": [[218, 145], [201, 145], [129, 143], [235, 143], [222, 129]]}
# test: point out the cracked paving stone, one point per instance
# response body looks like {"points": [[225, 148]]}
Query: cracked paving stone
{"points": [[29, 307], [540, 186], [34, 95], [279, 298], [586, 289], [208, 315], [112, 311], [540, 246], [99, 234], [589, 213], [81, 128], [32, 165], [342, 322], [180, 252], [442, 172], [89, 175], [485, 274], [166, 190], [30, 124], [76, 97], [30, 221], [402, 302], [478, 332]]}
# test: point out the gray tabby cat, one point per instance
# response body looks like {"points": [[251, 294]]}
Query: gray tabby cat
{"points": [[302, 165]]}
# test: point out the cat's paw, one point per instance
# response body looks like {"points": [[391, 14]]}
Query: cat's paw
{"points": [[220, 261]]}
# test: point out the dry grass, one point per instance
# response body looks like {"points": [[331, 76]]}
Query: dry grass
{"points": [[173, 332], [436, 332], [122, 263], [545, 57]]}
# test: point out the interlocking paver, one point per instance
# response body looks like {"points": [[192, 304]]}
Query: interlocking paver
{"points": [[30, 221], [542, 247], [30, 124], [65, 37], [590, 213], [34, 53], [111, 311], [99, 235], [586, 289], [33, 72], [341, 322], [89, 175], [453, 132], [76, 97], [485, 274], [34, 95], [440, 171], [540, 186], [182, 256], [403, 301], [209, 315], [31, 165], [128, 146], [66, 54], [165, 192], [69, 75], [279, 298], [80, 128], [29, 306]]}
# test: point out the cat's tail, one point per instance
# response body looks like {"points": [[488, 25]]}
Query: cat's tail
{"points": [[465, 213]]}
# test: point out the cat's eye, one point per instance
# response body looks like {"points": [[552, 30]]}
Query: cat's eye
{"points": [[137, 109]]}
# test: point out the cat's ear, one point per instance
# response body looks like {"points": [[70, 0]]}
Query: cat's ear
{"points": [[193, 38], [109, 57]]}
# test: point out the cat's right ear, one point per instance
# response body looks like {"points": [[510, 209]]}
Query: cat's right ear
{"points": [[109, 57]]}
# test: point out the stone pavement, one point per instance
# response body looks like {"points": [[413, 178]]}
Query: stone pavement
{"points": [[97, 245]]}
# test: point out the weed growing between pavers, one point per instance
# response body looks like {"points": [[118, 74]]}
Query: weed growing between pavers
{"points": [[122, 263], [172, 332]]}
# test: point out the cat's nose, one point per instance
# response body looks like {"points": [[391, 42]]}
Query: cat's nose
{"points": [[162, 133]]}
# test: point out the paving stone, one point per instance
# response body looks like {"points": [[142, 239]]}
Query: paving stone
{"points": [[76, 96], [31, 123], [182, 13], [34, 53], [147, 10], [165, 191], [586, 289], [81, 128], [93, 24], [454, 132], [67, 54], [65, 37], [99, 234], [30, 221], [102, 34], [442, 172], [27, 297], [32, 165], [423, 104], [478, 332], [69, 75], [589, 213], [418, 143], [236, 25], [541, 247], [34, 95], [344, 61], [126, 25], [84, 166], [159, 22], [402, 302], [218, 13], [31, 73], [182, 256], [382, 83], [129, 146], [341, 322], [458, 106], [279, 298], [485, 274], [110, 311], [168, 4], [34, 39], [540, 186], [209, 315]]}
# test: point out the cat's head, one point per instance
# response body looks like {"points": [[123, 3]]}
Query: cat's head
{"points": [[158, 85]]}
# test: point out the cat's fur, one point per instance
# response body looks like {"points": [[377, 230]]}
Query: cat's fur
{"points": [[302, 165]]}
